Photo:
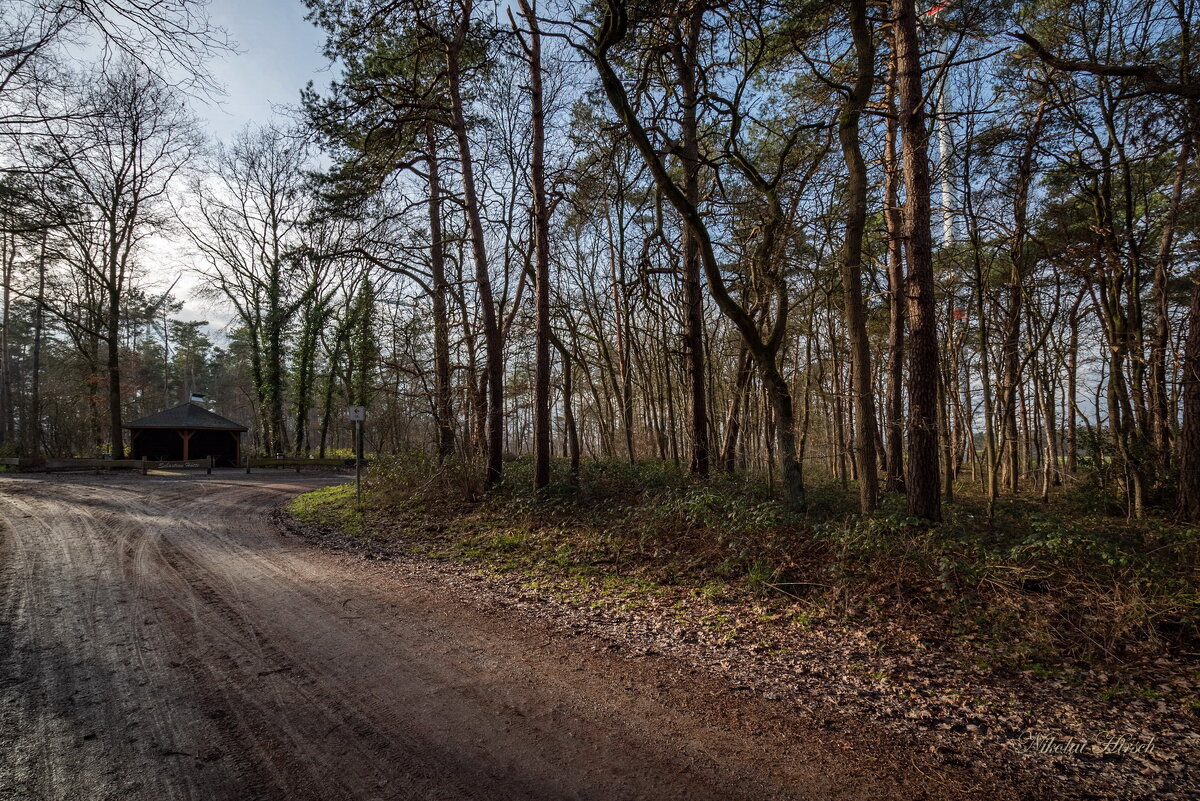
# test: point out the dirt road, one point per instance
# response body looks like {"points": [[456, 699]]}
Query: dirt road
{"points": [[159, 639]]}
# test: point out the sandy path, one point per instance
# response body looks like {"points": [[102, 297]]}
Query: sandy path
{"points": [[159, 640]]}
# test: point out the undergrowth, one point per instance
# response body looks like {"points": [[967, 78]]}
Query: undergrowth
{"points": [[1034, 584]]}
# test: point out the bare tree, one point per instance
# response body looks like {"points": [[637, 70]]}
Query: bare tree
{"points": [[105, 180], [541, 222], [245, 220]]}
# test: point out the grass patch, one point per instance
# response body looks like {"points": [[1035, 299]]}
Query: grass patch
{"points": [[333, 507]]}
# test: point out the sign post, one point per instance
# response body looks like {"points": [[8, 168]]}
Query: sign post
{"points": [[357, 414]]}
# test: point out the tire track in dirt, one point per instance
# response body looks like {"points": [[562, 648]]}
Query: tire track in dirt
{"points": [[342, 707], [85, 714], [160, 640]]}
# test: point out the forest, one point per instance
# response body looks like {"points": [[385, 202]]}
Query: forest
{"points": [[908, 250]]}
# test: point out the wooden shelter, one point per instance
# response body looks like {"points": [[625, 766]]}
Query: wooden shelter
{"points": [[187, 432]]}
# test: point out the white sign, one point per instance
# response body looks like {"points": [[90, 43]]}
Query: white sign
{"points": [[356, 413]]}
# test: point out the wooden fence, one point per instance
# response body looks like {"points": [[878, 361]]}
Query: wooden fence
{"points": [[145, 465], [298, 464]]}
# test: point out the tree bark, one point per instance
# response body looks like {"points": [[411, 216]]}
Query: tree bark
{"points": [[733, 418], [541, 223], [1189, 433], [923, 477], [861, 387], [894, 219], [113, 340], [443, 403], [8, 258], [493, 340], [693, 327], [1161, 415], [35, 378]]}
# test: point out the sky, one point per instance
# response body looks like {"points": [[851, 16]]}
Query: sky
{"points": [[278, 53]]}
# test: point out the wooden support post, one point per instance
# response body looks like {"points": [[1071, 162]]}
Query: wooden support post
{"points": [[143, 465], [210, 464]]}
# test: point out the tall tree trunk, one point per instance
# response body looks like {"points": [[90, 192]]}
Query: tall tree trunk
{"points": [[693, 326], [923, 482], [1189, 432], [1161, 415], [541, 222], [733, 418], [35, 379], [623, 377], [1071, 400], [315, 316], [493, 340], [838, 393], [894, 220], [273, 374], [979, 299], [1112, 284], [571, 430], [541, 424], [327, 394], [443, 403], [945, 396], [861, 389], [113, 334], [1010, 347], [7, 264], [94, 380]]}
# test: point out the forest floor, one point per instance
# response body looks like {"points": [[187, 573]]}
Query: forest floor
{"points": [[1050, 649], [161, 638]]}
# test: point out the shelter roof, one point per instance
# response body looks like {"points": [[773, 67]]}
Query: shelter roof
{"points": [[187, 415]]}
